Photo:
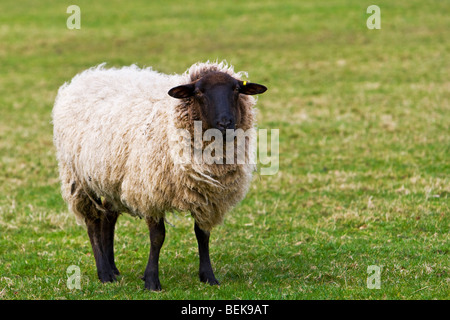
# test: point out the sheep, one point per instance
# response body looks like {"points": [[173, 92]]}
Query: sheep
{"points": [[112, 133]]}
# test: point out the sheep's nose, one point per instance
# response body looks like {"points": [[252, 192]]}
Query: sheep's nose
{"points": [[224, 124]]}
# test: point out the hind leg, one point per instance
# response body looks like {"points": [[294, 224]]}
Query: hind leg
{"points": [[108, 224], [104, 270], [100, 223], [100, 227]]}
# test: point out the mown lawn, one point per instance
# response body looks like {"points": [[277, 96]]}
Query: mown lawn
{"points": [[364, 120]]}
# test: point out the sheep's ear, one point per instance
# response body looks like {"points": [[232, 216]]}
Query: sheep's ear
{"points": [[246, 87], [182, 92]]}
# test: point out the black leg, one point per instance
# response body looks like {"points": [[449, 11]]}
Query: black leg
{"points": [[107, 226], [104, 270], [206, 273], [157, 235]]}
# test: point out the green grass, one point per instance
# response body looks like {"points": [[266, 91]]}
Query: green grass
{"points": [[364, 119]]}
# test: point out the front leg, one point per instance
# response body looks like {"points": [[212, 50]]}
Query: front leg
{"points": [[157, 235], [205, 270]]}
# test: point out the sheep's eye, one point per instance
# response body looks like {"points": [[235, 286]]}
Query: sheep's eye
{"points": [[198, 92]]}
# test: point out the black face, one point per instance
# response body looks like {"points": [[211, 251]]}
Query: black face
{"points": [[217, 94]]}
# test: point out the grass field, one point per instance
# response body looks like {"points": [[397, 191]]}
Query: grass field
{"points": [[364, 120]]}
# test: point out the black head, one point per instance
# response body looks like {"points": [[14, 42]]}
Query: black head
{"points": [[217, 94]]}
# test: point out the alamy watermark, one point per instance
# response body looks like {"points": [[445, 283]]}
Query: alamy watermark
{"points": [[234, 147], [74, 20], [374, 278], [73, 277], [374, 21]]}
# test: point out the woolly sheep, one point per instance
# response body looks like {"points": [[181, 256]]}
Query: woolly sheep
{"points": [[112, 133]]}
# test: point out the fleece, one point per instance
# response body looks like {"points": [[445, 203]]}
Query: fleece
{"points": [[115, 130]]}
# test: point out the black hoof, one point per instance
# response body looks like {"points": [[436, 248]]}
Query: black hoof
{"points": [[116, 271], [152, 283], [208, 278], [107, 277]]}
